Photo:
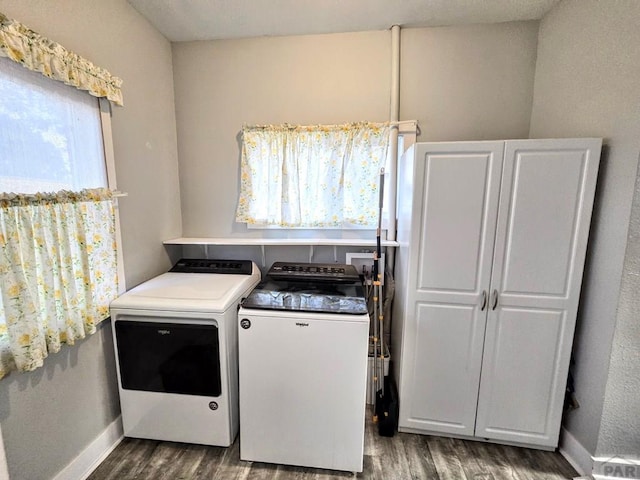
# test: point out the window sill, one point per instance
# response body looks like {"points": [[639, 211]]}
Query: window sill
{"points": [[311, 242], [265, 242]]}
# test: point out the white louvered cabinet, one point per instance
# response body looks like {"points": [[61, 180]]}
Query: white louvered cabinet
{"points": [[492, 240]]}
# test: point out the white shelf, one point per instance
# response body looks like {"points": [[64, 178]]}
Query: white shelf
{"points": [[310, 242]]}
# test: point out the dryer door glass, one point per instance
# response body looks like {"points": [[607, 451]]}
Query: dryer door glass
{"points": [[169, 357]]}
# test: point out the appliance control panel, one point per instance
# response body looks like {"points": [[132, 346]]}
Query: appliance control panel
{"points": [[322, 272], [195, 265]]}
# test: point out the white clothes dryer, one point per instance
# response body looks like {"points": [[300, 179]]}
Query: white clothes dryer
{"points": [[176, 344]]}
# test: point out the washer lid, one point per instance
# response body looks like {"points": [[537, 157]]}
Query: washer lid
{"points": [[314, 297], [188, 292]]}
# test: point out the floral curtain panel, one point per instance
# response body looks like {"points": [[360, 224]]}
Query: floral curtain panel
{"points": [[40, 54], [312, 176], [57, 272]]}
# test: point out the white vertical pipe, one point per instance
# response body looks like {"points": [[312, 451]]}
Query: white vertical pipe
{"points": [[394, 116], [395, 74]]}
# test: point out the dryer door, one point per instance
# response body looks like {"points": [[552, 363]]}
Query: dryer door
{"points": [[168, 357]]}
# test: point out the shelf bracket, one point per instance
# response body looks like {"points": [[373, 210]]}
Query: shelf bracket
{"points": [[310, 253], [264, 257]]}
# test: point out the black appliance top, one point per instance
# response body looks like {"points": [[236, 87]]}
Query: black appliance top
{"points": [[310, 287], [194, 265], [316, 272]]}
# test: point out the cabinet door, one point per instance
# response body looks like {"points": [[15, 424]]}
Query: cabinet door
{"points": [[451, 244], [543, 223]]}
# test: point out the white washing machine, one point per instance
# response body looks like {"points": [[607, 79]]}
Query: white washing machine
{"points": [[176, 346], [303, 365]]}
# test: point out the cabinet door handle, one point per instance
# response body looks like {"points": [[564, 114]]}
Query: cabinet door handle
{"points": [[484, 300], [495, 299]]}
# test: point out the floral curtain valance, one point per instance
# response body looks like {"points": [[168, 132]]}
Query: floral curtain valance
{"points": [[58, 272], [320, 176], [40, 54]]}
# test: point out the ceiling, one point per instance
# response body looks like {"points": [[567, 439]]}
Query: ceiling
{"points": [[186, 20]]}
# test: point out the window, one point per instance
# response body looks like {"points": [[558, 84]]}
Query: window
{"points": [[50, 135], [58, 258], [324, 176]]}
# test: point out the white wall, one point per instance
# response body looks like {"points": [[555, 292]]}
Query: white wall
{"points": [[49, 416], [221, 85], [586, 84], [472, 82], [620, 425]]}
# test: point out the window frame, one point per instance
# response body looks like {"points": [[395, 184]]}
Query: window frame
{"points": [[109, 157], [407, 136], [104, 110]]}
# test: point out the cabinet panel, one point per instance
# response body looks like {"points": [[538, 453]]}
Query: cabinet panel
{"points": [[446, 368], [546, 199], [453, 223], [454, 212], [520, 375], [543, 191]]}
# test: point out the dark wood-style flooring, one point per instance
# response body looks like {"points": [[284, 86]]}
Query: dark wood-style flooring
{"points": [[402, 457]]}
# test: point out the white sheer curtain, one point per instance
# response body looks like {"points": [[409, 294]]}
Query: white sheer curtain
{"points": [[58, 272], [323, 176]]}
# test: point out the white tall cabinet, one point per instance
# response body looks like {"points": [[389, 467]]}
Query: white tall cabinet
{"points": [[492, 240]]}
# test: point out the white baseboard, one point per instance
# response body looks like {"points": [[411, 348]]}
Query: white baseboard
{"points": [[4, 469], [82, 466], [616, 467], [575, 453]]}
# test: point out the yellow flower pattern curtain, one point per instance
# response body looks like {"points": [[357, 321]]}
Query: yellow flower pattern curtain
{"points": [[311, 176], [58, 272], [40, 54]]}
